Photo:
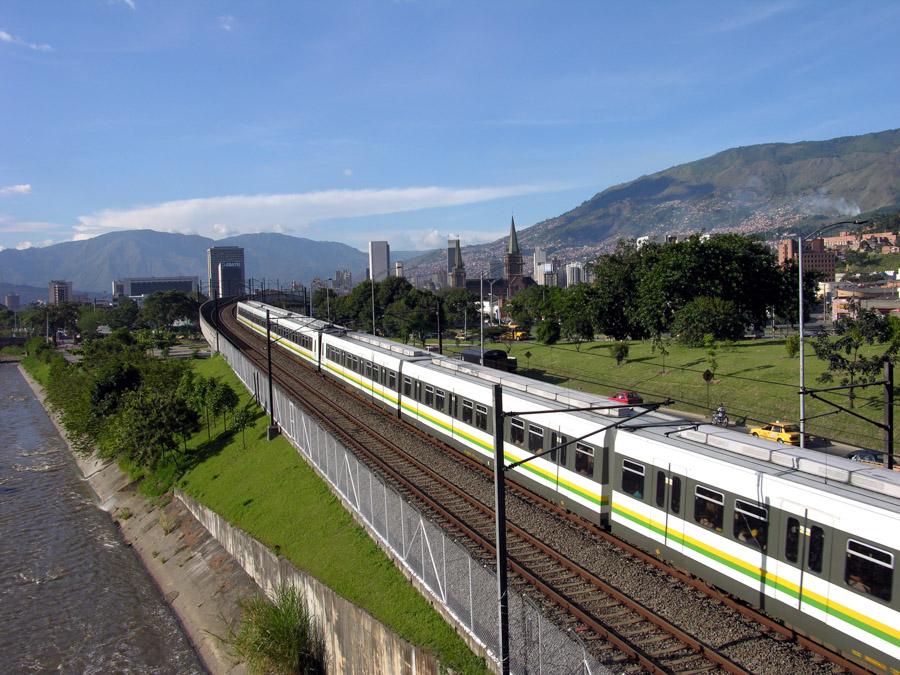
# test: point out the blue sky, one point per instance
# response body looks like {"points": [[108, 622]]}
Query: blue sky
{"points": [[350, 121]]}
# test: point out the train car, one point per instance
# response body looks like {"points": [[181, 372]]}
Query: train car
{"points": [[296, 333], [810, 538]]}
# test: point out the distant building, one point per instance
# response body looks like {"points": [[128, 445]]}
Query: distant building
{"points": [[574, 274], [452, 245], [495, 269], [815, 256], [559, 272], [456, 277], [12, 302], [142, 286], [225, 270], [513, 263], [398, 269], [60, 292], [640, 242], [343, 282], [548, 275], [540, 259], [379, 260]]}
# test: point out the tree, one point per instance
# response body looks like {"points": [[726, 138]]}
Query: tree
{"points": [[243, 418], [792, 345], [709, 341], [125, 315], [228, 401], [843, 353], [661, 346], [144, 430], [460, 306], [164, 308], [614, 307], [619, 351], [707, 316], [576, 322], [547, 331]]}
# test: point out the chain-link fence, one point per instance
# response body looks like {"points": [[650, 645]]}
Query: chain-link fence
{"points": [[465, 588]]}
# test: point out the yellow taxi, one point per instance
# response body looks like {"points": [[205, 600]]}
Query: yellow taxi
{"points": [[780, 432]]}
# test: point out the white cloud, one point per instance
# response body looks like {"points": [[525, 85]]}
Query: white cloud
{"points": [[348, 172], [423, 240], [16, 40], [130, 4], [22, 245], [7, 226], [20, 189], [227, 23], [257, 213]]}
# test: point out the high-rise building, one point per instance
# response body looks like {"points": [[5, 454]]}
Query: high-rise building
{"points": [[815, 256], [398, 269], [12, 302], [548, 275], [379, 260], [140, 286], [574, 273], [60, 292], [452, 245], [540, 259], [513, 264], [457, 276], [343, 282], [225, 270]]}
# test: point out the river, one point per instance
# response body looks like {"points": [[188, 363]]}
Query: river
{"points": [[74, 598]]}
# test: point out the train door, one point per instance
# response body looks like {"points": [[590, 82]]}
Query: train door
{"points": [[668, 497], [803, 555]]}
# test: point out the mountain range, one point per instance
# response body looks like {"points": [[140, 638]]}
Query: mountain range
{"points": [[759, 188], [769, 188]]}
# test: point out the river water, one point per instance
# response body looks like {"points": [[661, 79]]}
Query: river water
{"points": [[74, 598]]}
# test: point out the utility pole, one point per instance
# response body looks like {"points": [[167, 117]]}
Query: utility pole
{"points": [[800, 320], [889, 414], [500, 528], [273, 430], [481, 317]]}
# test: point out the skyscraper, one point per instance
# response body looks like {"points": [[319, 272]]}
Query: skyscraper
{"points": [[574, 273], [60, 292], [225, 270], [398, 269], [452, 245], [457, 276], [379, 260], [540, 259], [12, 302]]}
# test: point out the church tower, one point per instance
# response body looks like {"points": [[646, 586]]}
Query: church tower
{"points": [[457, 276], [513, 263]]}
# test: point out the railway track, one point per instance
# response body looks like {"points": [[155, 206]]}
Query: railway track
{"points": [[619, 630]]}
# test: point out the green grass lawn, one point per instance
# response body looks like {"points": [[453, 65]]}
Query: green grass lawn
{"points": [[755, 379], [269, 491]]}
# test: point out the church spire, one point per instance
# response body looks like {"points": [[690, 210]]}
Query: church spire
{"points": [[513, 239]]}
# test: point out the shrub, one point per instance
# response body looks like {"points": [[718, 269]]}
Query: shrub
{"points": [[707, 316], [279, 636], [619, 351], [792, 345], [548, 331]]}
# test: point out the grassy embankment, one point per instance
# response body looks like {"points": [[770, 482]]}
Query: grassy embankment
{"points": [[271, 493], [755, 379]]}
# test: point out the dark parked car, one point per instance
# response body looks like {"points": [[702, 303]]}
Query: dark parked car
{"points": [[867, 456]]}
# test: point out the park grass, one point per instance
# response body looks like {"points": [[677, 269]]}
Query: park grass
{"points": [[270, 492], [755, 379]]}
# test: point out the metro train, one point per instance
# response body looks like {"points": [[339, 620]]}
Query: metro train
{"points": [[809, 538]]}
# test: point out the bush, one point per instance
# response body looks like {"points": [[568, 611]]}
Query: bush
{"points": [[792, 345], [280, 636], [619, 351], [707, 316], [547, 331]]}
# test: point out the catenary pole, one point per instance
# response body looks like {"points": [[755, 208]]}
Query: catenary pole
{"points": [[272, 426], [500, 529], [800, 320], [481, 318], [889, 414]]}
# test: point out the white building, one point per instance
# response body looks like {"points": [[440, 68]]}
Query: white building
{"points": [[574, 274], [540, 259], [379, 260], [398, 269]]}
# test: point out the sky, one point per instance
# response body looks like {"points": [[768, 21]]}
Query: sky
{"points": [[403, 120]]}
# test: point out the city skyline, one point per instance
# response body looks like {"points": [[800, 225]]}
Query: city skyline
{"points": [[473, 113]]}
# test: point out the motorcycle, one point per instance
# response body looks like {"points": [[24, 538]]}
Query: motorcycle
{"points": [[719, 418]]}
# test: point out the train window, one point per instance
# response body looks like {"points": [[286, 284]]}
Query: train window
{"points": [[407, 386], [661, 489], [558, 456], [367, 370], [792, 540], [535, 438], [584, 460], [429, 395], [418, 391], [439, 399], [392, 380], [453, 412], [751, 524], [517, 431], [675, 497], [633, 478], [481, 417], [816, 548], [467, 410], [709, 508], [869, 570]]}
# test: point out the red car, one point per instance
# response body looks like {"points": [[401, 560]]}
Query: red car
{"points": [[627, 397]]}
